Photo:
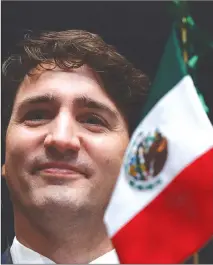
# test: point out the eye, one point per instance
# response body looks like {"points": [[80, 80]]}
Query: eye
{"points": [[37, 117], [93, 121]]}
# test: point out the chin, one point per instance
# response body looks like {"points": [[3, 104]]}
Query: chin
{"points": [[58, 197]]}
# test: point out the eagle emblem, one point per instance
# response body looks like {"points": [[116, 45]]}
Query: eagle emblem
{"points": [[146, 160]]}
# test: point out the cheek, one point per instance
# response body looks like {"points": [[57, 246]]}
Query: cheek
{"points": [[20, 144], [107, 152], [22, 138]]}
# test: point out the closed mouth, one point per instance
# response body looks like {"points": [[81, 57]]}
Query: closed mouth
{"points": [[59, 170]]}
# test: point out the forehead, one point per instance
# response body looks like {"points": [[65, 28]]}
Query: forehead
{"points": [[65, 84]]}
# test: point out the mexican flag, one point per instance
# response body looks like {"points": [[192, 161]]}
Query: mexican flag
{"points": [[161, 210]]}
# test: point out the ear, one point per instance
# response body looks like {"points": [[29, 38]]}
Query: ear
{"points": [[3, 171]]}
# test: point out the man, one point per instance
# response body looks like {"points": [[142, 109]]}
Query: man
{"points": [[73, 104]]}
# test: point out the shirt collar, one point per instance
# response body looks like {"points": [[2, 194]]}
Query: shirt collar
{"points": [[23, 255]]}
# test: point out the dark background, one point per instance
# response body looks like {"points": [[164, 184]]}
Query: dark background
{"points": [[138, 30]]}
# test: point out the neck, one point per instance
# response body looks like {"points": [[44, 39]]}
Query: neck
{"points": [[78, 242]]}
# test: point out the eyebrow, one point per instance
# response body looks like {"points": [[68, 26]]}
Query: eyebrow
{"points": [[46, 98], [83, 101], [87, 102]]}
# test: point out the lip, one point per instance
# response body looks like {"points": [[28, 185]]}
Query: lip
{"points": [[57, 169]]}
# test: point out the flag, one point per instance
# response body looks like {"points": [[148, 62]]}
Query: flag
{"points": [[161, 210]]}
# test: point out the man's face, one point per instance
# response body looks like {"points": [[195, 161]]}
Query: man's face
{"points": [[65, 142]]}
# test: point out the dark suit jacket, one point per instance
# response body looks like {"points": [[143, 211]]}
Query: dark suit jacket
{"points": [[6, 257]]}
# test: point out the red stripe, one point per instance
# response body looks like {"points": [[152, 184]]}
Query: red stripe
{"points": [[176, 224]]}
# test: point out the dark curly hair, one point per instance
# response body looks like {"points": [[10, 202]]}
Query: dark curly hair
{"points": [[126, 85]]}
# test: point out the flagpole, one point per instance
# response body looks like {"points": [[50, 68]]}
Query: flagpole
{"points": [[196, 258], [186, 58], [184, 39]]}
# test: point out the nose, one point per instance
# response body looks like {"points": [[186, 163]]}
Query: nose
{"points": [[63, 135]]}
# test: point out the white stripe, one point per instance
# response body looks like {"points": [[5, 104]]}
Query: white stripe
{"points": [[180, 117]]}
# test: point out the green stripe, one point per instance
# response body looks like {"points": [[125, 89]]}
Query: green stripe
{"points": [[171, 70]]}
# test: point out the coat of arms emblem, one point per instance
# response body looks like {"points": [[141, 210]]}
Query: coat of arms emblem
{"points": [[146, 160]]}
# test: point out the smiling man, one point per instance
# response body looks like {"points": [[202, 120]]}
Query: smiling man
{"points": [[74, 102]]}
